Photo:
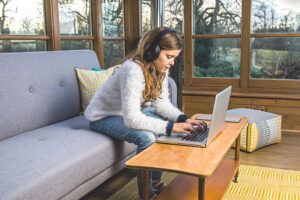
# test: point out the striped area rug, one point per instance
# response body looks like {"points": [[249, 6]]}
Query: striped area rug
{"points": [[254, 183], [265, 183]]}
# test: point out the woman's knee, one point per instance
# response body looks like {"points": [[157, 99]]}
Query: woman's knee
{"points": [[145, 139]]}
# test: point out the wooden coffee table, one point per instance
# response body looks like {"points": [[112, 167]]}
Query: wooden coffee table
{"points": [[204, 173]]}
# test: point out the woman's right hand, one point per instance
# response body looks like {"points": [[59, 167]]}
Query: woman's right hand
{"points": [[183, 128]]}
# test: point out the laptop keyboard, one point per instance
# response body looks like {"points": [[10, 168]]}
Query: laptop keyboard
{"points": [[198, 137]]}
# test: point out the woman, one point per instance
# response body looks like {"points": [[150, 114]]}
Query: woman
{"points": [[121, 107]]}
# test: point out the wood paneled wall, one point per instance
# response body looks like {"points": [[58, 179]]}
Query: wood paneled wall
{"points": [[288, 108]]}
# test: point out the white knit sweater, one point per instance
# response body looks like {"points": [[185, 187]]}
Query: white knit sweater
{"points": [[122, 95]]}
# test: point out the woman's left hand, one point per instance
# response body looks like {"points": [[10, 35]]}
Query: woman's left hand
{"points": [[199, 123]]}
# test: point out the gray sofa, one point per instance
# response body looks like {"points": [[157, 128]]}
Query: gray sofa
{"points": [[46, 149]]}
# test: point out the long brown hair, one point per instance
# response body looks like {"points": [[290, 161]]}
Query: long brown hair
{"points": [[154, 78]]}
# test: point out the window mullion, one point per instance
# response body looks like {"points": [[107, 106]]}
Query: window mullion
{"points": [[188, 43], [155, 15], [97, 29], [132, 23], [52, 24], [245, 47]]}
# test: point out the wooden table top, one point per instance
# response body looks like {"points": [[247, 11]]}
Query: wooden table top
{"points": [[195, 161]]}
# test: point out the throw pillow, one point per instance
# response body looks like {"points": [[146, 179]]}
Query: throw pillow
{"points": [[90, 81]]}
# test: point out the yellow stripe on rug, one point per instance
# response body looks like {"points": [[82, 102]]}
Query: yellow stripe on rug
{"points": [[264, 183], [254, 183]]}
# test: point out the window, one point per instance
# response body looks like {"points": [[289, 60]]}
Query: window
{"points": [[22, 26], [146, 15], [217, 57], [20, 18], [216, 38], [41, 25], [173, 15], [113, 31], [275, 52], [216, 17], [76, 44], [22, 45], [166, 12], [262, 54], [75, 24]]}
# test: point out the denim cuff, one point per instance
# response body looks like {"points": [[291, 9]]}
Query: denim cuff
{"points": [[182, 118], [169, 128]]}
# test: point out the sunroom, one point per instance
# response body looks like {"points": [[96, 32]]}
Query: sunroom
{"points": [[55, 56]]}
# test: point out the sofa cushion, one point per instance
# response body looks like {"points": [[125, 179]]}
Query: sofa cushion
{"points": [[40, 88], [50, 162], [90, 81], [263, 128]]}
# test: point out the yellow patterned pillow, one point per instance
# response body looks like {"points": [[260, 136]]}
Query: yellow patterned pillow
{"points": [[90, 81]]}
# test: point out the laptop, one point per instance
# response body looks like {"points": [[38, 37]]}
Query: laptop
{"points": [[205, 138]]}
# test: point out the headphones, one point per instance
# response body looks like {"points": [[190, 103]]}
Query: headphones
{"points": [[152, 50]]}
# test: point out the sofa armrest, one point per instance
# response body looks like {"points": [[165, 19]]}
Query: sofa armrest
{"points": [[172, 91]]}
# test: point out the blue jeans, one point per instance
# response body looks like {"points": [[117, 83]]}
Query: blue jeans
{"points": [[115, 127]]}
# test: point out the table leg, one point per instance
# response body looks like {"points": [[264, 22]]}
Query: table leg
{"points": [[201, 188], [237, 148], [236, 176], [145, 184], [237, 156]]}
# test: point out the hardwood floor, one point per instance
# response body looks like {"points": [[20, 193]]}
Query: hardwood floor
{"points": [[284, 155], [112, 185]]}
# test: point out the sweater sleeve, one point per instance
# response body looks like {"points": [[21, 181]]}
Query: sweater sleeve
{"points": [[164, 107], [182, 118], [132, 85]]}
